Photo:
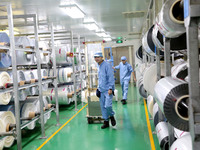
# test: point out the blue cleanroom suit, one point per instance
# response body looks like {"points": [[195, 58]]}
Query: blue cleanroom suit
{"points": [[106, 82], [125, 75]]}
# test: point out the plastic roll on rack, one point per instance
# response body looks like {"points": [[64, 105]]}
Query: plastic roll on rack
{"points": [[139, 53], [4, 79], [180, 70], [182, 143], [178, 133], [26, 111], [5, 59], [28, 76], [171, 19], [47, 101], [44, 75], [2, 129], [150, 104], [157, 37], [8, 118], [63, 74], [44, 46], [64, 95], [61, 55], [156, 117], [45, 57], [163, 135], [150, 78], [142, 91], [37, 104], [21, 78], [172, 98], [24, 58], [148, 44]]}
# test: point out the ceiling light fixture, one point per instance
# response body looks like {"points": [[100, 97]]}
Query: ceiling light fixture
{"points": [[91, 25], [108, 39], [73, 11], [102, 34]]}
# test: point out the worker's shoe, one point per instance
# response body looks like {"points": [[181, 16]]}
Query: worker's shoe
{"points": [[105, 125], [113, 121], [123, 101]]}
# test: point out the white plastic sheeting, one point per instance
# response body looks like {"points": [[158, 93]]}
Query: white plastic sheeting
{"points": [[64, 95], [8, 118], [150, 78], [63, 74], [150, 104], [5, 97], [61, 55], [183, 143], [28, 76], [180, 70], [163, 135], [21, 78]]}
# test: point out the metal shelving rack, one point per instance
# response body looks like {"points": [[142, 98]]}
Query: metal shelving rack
{"points": [[16, 88], [192, 20]]}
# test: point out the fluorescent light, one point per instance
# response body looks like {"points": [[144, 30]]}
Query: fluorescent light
{"points": [[73, 11], [102, 34], [107, 39], [91, 25]]}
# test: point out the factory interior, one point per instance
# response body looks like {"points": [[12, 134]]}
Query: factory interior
{"points": [[99, 74]]}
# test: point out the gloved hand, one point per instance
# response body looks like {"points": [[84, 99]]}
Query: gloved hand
{"points": [[98, 93]]}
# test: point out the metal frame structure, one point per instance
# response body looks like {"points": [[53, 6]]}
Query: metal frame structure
{"points": [[16, 88], [192, 19]]}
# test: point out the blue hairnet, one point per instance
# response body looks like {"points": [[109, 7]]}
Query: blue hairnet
{"points": [[123, 58], [98, 54]]}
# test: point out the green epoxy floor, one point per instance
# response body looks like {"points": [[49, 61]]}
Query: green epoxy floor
{"points": [[131, 132]]}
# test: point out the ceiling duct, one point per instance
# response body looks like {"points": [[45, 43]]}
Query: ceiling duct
{"points": [[133, 14]]}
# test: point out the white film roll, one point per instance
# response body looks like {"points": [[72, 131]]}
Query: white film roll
{"points": [[142, 91], [28, 76], [64, 75], [2, 129], [45, 57], [178, 133], [182, 143], [172, 98], [46, 102], [157, 36], [25, 110], [63, 95], [5, 97], [150, 79], [150, 104], [44, 74], [37, 104], [171, 21], [163, 135], [147, 42], [21, 77], [156, 116], [8, 118], [180, 70]]}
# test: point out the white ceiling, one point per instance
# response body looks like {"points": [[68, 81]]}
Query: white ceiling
{"points": [[107, 14]]}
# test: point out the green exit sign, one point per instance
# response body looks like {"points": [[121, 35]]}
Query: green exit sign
{"points": [[119, 40]]}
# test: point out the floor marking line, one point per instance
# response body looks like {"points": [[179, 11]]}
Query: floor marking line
{"points": [[149, 127], [60, 128]]}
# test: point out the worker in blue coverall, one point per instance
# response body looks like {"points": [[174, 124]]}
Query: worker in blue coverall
{"points": [[125, 75], [105, 89]]}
